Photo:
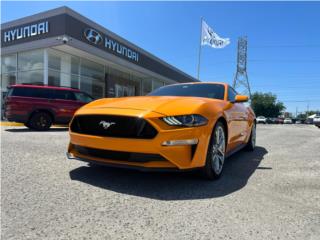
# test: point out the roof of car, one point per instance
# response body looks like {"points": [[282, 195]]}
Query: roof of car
{"points": [[194, 83], [46, 87]]}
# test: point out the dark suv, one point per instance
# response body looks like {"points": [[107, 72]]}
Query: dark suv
{"points": [[38, 107]]}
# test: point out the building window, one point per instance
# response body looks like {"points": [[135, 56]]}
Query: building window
{"points": [[91, 69], [54, 78], [92, 78], [137, 81], [31, 60], [30, 67], [75, 81], [92, 86], [122, 84], [7, 79], [8, 71], [63, 69], [31, 77], [9, 63], [146, 86], [156, 84]]}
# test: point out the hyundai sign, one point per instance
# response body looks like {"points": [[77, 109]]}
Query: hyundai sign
{"points": [[96, 38], [26, 31]]}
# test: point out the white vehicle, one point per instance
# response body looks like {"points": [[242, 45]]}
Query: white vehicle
{"points": [[287, 121], [261, 119], [316, 121]]}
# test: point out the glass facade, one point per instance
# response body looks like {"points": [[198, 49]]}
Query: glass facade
{"points": [[92, 78], [56, 68], [30, 67], [8, 71], [122, 84]]}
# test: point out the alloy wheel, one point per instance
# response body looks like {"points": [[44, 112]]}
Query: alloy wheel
{"points": [[218, 150]]}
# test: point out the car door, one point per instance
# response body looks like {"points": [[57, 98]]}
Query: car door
{"points": [[235, 117], [244, 121], [65, 105]]}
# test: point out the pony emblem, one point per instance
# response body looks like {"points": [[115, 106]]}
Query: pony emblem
{"points": [[106, 125]]}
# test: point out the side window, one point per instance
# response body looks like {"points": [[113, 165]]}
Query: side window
{"points": [[20, 92], [64, 95], [82, 97], [40, 93], [10, 92], [23, 92], [231, 94], [30, 92]]}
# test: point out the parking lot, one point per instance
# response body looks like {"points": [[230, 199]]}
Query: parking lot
{"points": [[271, 193]]}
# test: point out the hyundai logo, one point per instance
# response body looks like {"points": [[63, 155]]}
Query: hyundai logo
{"points": [[93, 36]]}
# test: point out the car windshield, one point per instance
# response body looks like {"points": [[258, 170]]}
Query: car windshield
{"points": [[210, 90]]}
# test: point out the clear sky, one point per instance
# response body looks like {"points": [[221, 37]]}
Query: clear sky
{"points": [[283, 39]]}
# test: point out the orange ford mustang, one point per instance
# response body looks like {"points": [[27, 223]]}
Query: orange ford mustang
{"points": [[175, 127]]}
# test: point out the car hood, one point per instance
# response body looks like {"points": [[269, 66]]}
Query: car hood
{"points": [[165, 105]]}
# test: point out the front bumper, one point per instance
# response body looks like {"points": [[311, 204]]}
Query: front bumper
{"points": [[179, 157]]}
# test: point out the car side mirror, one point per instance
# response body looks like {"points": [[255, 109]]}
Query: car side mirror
{"points": [[241, 98]]}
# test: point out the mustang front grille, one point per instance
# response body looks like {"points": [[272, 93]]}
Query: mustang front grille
{"points": [[113, 126], [117, 155]]}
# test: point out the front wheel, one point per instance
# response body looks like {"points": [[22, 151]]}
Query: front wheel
{"points": [[216, 153]]}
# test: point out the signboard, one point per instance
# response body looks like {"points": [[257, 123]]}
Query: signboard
{"points": [[26, 31], [65, 24]]}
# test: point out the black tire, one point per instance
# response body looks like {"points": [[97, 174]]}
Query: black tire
{"points": [[252, 140], [40, 121], [93, 165], [210, 170], [28, 125]]}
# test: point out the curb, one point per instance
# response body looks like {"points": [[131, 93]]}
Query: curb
{"points": [[15, 124], [11, 124]]}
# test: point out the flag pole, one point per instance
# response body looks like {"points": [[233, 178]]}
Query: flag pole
{"points": [[199, 59]]}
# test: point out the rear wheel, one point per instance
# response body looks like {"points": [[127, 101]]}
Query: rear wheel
{"points": [[40, 121], [252, 140], [216, 153]]}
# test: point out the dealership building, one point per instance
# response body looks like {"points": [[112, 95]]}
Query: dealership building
{"points": [[60, 47]]}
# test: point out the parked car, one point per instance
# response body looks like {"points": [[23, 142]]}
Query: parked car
{"points": [[316, 121], [287, 121], [271, 120], [279, 120], [261, 119], [38, 107], [175, 127]]}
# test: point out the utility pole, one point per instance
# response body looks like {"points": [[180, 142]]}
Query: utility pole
{"points": [[241, 81]]}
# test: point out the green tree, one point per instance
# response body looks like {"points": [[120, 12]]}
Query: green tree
{"points": [[266, 104], [302, 116]]}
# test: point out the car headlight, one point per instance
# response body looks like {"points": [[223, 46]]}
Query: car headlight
{"points": [[192, 120]]}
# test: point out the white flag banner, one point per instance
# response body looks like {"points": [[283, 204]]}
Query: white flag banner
{"points": [[209, 37]]}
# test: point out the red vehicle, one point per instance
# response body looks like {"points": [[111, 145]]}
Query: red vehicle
{"points": [[280, 120], [38, 107]]}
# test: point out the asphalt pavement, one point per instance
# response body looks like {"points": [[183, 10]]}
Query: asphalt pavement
{"points": [[271, 193]]}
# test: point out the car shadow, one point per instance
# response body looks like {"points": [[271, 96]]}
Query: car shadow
{"points": [[174, 186], [21, 130]]}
